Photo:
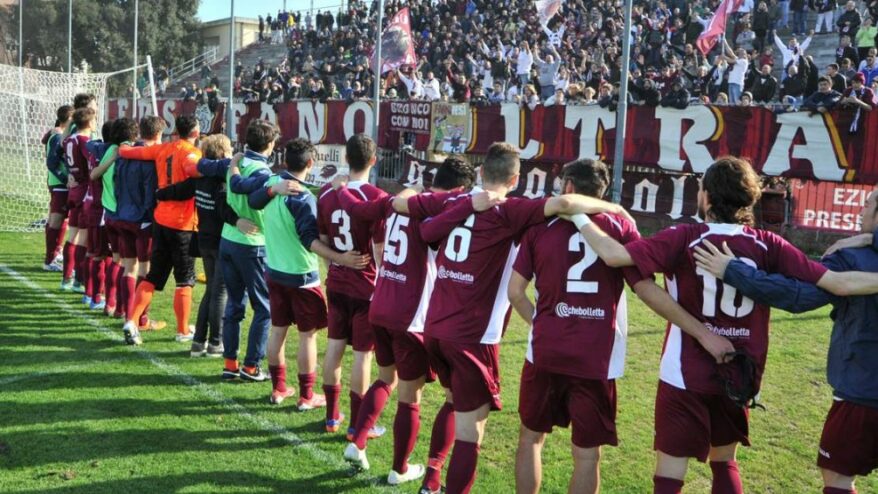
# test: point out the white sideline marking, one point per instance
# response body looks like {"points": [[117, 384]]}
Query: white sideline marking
{"points": [[57, 370], [205, 390]]}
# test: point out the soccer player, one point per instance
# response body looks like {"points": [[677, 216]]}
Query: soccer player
{"points": [[292, 244], [98, 248], [74, 146], [349, 290], [576, 347], [124, 130], [469, 306], [397, 313], [175, 222], [694, 416], [56, 224], [847, 447], [135, 183]]}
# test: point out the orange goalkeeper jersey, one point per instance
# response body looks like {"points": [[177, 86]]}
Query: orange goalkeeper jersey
{"points": [[174, 162]]}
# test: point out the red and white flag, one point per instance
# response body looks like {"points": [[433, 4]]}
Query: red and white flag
{"points": [[397, 45], [547, 9], [716, 27]]}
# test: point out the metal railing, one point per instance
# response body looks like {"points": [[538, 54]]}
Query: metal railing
{"points": [[193, 65]]}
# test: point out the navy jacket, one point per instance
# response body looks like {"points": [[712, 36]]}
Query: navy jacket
{"points": [[852, 369], [135, 183]]}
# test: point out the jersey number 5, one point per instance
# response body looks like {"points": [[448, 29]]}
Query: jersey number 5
{"points": [[457, 245], [343, 241], [396, 243]]}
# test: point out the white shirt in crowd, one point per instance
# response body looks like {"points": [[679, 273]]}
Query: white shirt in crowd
{"points": [[431, 89], [525, 62]]}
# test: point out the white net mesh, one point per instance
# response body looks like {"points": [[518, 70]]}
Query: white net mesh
{"points": [[28, 101]]}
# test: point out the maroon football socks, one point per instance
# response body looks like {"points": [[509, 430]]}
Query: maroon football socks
{"points": [[726, 477], [369, 409], [665, 485], [405, 434]]}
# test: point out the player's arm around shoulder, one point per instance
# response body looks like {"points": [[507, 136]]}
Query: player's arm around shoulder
{"points": [[522, 274], [613, 253], [142, 153]]}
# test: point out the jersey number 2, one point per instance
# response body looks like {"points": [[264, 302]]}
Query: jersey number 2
{"points": [[574, 274]]}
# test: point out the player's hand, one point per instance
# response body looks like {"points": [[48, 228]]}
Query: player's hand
{"points": [[625, 214], [354, 260], [236, 162], [247, 227], [717, 346], [486, 200], [71, 182], [340, 181], [712, 260], [861, 240], [286, 188]]}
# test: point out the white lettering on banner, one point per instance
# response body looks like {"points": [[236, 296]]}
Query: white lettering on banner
{"points": [[650, 190], [672, 140], [849, 197], [350, 115], [818, 148], [121, 108], [416, 175], [312, 120], [535, 186], [168, 115], [832, 220], [677, 202], [238, 110], [592, 119], [512, 115]]}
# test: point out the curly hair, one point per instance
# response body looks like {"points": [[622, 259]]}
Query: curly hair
{"points": [[455, 172], [297, 153], [733, 188]]}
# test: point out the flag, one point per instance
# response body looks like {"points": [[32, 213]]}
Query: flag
{"points": [[716, 27], [547, 9], [397, 45]]}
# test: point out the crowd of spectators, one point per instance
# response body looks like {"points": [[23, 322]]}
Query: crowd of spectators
{"points": [[488, 51]]}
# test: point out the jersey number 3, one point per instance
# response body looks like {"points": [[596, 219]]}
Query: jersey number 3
{"points": [[343, 241]]}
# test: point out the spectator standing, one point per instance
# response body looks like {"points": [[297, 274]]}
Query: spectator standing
{"points": [[860, 98], [869, 67], [825, 10], [764, 86], [845, 50], [866, 38], [524, 64], [740, 63], [793, 87], [677, 97], [548, 71], [849, 21], [800, 11], [762, 24], [824, 99], [839, 82], [261, 29]]}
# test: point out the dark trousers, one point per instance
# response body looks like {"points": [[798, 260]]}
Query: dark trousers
{"points": [[243, 268], [209, 325]]}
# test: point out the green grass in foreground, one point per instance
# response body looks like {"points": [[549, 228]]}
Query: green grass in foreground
{"points": [[80, 412]]}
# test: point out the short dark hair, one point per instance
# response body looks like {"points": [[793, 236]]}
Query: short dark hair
{"points": [[151, 127], [124, 130], [825, 79], [82, 100], [833, 66], [107, 131], [83, 116], [260, 135], [63, 114], [360, 149], [733, 189], [185, 124], [501, 163], [297, 153], [455, 172], [589, 177]]}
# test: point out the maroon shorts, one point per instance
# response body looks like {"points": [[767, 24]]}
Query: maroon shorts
{"points": [[688, 423], [134, 240], [98, 245], [304, 307], [849, 444], [547, 399], [405, 350], [112, 234], [470, 370], [58, 200], [349, 320], [75, 215]]}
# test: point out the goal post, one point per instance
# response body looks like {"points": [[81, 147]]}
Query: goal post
{"points": [[28, 102]]}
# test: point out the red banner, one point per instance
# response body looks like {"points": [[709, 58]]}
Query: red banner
{"points": [[827, 205], [410, 116], [169, 109], [397, 45], [793, 144]]}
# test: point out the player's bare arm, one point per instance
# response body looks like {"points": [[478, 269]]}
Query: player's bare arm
{"points": [[108, 159], [350, 259], [401, 201], [570, 204], [607, 248], [519, 299], [662, 304]]}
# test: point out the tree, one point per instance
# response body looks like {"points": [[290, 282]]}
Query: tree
{"points": [[103, 34]]}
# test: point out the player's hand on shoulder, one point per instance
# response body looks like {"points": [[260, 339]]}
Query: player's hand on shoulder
{"points": [[625, 214], [861, 240], [486, 200], [340, 181], [354, 260], [711, 259], [235, 163], [247, 227], [286, 188]]}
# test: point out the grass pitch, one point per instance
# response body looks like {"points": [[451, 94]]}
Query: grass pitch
{"points": [[82, 412]]}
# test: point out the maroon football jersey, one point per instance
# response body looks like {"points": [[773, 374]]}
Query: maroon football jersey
{"points": [[408, 268], [685, 364], [581, 321], [77, 164], [347, 235], [470, 302]]}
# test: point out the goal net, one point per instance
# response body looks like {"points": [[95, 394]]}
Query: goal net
{"points": [[28, 101]]}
